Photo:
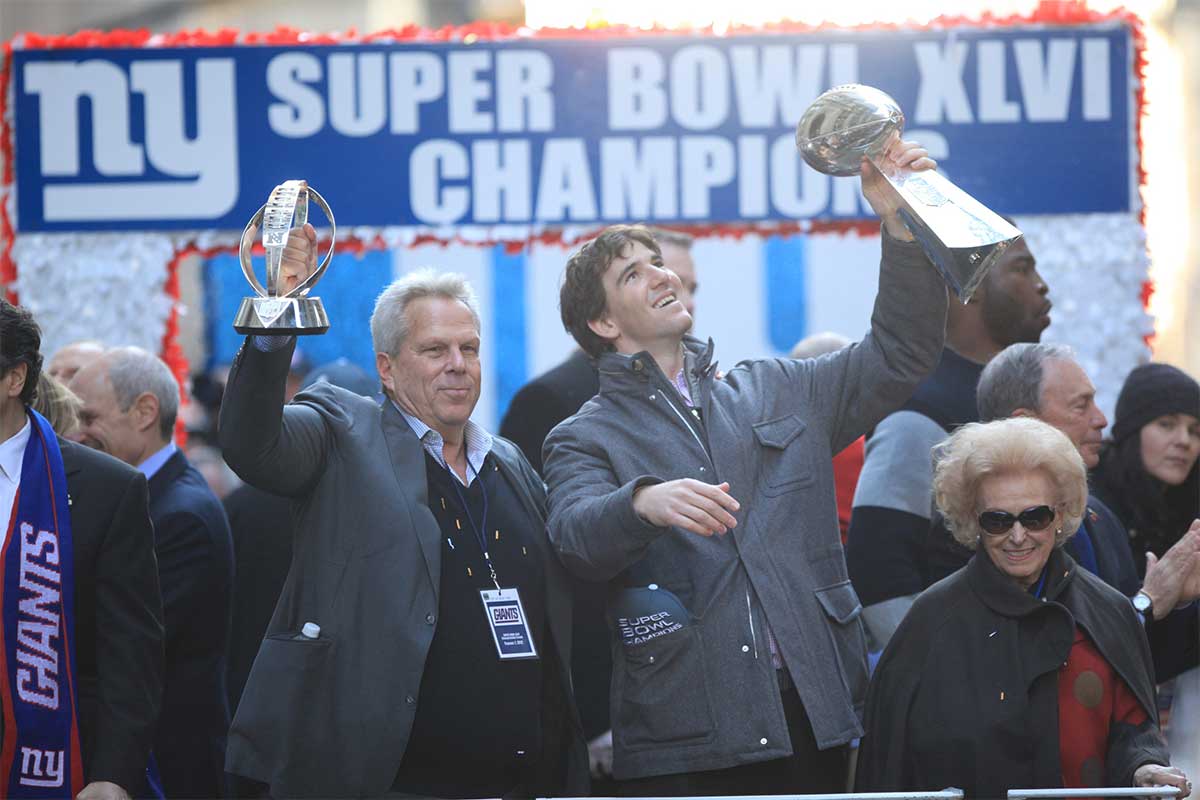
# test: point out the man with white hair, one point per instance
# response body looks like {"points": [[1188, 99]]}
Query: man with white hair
{"points": [[421, 642], [130, 403]]}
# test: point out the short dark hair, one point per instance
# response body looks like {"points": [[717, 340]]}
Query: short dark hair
{"points": [[581, 298], [20, 342]]}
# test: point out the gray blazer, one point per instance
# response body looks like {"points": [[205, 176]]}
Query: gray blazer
{"points": [[705, 696], [331, 717]]}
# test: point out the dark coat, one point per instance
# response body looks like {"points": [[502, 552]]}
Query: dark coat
{"points": [[966, 693], [331, 717], [546, 401], [118, 616], [261, 524], [195, 570]]}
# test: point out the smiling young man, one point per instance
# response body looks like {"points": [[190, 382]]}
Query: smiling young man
{"points": [[438, 667], [708, 506]]}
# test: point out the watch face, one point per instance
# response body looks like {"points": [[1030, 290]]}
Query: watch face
{"points": [[1141, 602]]}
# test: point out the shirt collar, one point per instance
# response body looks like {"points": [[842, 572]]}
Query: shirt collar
{"points": [[12, 453], [478, 441], [155, 462]]}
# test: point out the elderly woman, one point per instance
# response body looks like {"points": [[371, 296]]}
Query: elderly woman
{"points": [[1020, 670]]}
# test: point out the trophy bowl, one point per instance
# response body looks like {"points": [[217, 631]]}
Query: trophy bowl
{"points": [[846, 124], [962, 237]]}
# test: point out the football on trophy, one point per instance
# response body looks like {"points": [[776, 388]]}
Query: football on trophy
{"points": [[845, 124]]}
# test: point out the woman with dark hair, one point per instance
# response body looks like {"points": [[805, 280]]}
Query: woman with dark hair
{"points": [[1149, 475], [1148, 472], [1020, 670]]}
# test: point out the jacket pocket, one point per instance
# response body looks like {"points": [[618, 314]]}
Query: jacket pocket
{"points": [[286, 709], [841, 604], [783, 470], [662, 698]]}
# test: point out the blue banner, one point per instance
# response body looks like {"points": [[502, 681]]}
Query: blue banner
{"points": [[669, 129]]}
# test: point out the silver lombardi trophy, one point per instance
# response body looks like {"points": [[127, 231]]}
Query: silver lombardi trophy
{"points": [[272, 312], [961, 236]]}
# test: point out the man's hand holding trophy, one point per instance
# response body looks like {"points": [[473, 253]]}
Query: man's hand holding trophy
{"points": [[282, 306], [852, 124]]}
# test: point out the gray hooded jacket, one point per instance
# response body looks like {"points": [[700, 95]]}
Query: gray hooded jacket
{"points": [[693, 684]]}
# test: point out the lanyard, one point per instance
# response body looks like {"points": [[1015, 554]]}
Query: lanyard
{"points": [[480, 530]]}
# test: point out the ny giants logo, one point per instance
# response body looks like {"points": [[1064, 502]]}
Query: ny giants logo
{"points": [[506, 615], [39, 619], [201, 173], [42, 767]]}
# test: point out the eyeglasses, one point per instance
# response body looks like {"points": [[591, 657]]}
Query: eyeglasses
{"points": [[998, 523]]}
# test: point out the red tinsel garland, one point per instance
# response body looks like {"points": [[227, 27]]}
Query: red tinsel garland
{"points": [[1048, 12]]}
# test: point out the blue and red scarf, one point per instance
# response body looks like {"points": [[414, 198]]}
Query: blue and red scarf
{"points": [[40, 756]]}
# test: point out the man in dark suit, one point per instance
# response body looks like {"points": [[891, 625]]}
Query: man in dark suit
{"points": [[130, 402], [386, 666], [118, 610]]}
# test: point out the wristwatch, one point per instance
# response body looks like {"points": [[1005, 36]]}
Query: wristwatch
{"points": [[1144, 605]]}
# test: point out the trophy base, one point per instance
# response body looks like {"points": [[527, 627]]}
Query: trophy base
{"points": [[281, 316], [961, 236]]}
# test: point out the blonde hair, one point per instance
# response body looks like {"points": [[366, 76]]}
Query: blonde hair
{"points": [[1019, 445], [58, 404]]}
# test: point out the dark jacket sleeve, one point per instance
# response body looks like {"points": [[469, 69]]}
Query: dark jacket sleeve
{"points": [[1130, 746], [857, 386], [592, 522], [275, 448], [129, 632]]}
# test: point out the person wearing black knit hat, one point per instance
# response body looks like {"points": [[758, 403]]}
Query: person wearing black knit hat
{"points": [[1148, 471]]}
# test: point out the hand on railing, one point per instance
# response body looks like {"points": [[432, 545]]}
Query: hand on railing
{"points": [[1158, 775]]}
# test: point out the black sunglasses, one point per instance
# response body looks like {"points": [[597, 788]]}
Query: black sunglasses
{"points": [[1031, 519]]}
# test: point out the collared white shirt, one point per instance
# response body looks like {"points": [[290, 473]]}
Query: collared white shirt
{"points": [[155, 462], [478, 441], [12, 454]]}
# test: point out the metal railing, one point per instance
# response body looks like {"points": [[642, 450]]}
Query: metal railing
{"points": [[944, 794], [1120, 791], [951, 794]]}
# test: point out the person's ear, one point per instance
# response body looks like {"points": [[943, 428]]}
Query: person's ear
{"points": [[383, 365], [604, 327], [1024, 412], [145, 411], [14, 380]]}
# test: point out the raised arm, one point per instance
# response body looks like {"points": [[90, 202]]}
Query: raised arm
{"points": [[275, 448]]}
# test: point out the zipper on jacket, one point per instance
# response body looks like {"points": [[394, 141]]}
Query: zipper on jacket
{"points": [[750, 616], [690, 429]]}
